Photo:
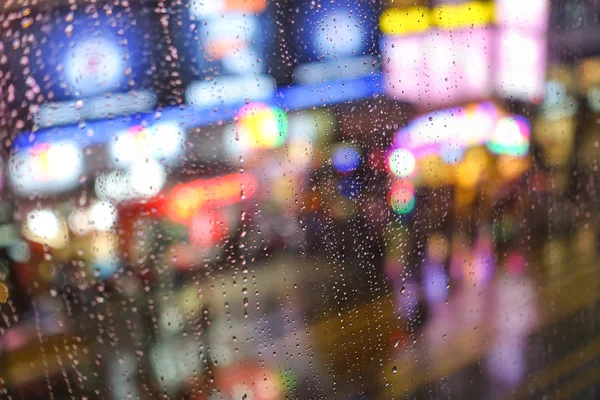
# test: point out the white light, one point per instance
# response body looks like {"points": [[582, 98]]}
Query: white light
{"points": [[205, 8], [166, 141], [460, 126], [507, 131], [43, 224], [123, 149], [338, 35], [402, 163], [300, 151], [103, 215], [593, 98], [161, 142], [243, 61], [147, 179], [329, 70], [238, 29], [79, 222], [530, 14], [235, 144], [522, 61], [112, 186], [66, 112], [171, 320], [95, 65], [143, 180], [478, 126], [302, 126], [242, 391], [46, 168], [230, 90]]}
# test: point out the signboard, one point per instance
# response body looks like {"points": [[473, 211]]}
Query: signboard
{"points": [[464, 51], [334, 40], [223, 51], [46, 168], [438, 67], [161, 142], [75, 56]]}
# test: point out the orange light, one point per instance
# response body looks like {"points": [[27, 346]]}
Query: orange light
{"points": [[221, 47], [186, 200], [255, 6]]}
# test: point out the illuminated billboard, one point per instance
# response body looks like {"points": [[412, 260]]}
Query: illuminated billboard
{"points": [[438, 67], [463, 51], [521, 48], [334, 40], [67, 58], [445, 130], [46, 168], [223, 50], [187, 199], [161, 142]]}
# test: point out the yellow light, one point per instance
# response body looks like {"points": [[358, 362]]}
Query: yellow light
{"points": [[104, 245], [46, 271], [261, 126], [470, 170], [510, 167], [284, 191], [435, 172], [557, 139], [464, 15], [395, 21]]}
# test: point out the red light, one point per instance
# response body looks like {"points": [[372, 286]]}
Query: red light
{"points": [[186, 200]]}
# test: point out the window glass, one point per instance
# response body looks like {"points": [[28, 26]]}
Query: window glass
{"points": [[294, 199]]}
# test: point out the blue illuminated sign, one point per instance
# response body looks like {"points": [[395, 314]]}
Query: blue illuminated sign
{"points": [[225, 45], [90, 54], [333, 30], [345, 159], [334, 40], [290, 98]]}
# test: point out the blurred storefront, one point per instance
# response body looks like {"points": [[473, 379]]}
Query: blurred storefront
{"points": [[340, 206]]}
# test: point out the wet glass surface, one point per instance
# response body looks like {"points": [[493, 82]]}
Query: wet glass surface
{"points": [[289, 199]]}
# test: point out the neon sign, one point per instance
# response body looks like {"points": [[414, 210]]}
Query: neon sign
{"points": [[162, 142], [259, 126], [510, 136], [207, 8], [397, 21], [458, 126], [95, 65], [401, 197], [186, 200], [448, 132], [46, 168], [225, 43], [334, 40], [445, 54]]}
